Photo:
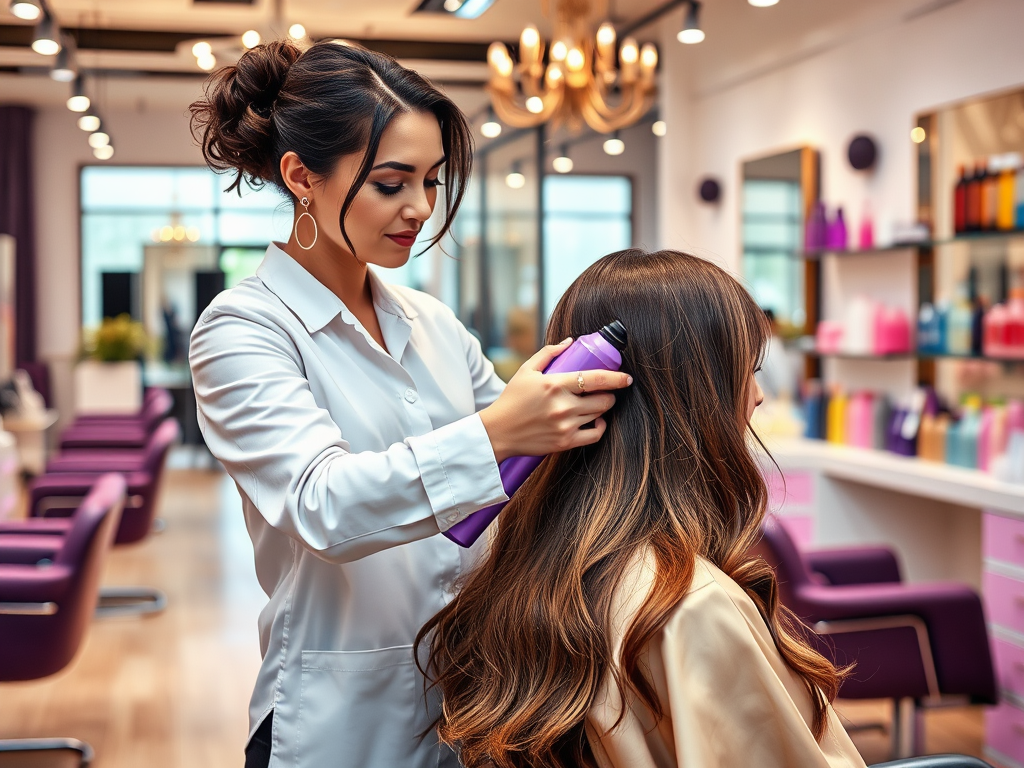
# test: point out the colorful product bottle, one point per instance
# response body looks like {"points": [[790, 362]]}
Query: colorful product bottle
{"points": [[837, 239], [960, 202], [985, 427], [989, 198], [972, 212], [1014, 334], [866, 235], [929, 329], [881, 414], [836, 418], [859, 423], [1005, 198], [959, 325], [1018, 196], [995, 324], [601, 350]]}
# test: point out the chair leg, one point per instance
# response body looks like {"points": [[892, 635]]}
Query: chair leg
{"points": [[903, 737], [917, 740], [39, 745], [130, 601]]}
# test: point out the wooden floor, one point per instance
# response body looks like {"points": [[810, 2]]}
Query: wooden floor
{"points": [[171, 691]]}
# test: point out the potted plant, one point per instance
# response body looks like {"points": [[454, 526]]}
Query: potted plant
{"points": [[108, 378]]}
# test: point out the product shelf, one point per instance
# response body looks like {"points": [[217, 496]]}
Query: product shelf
{"points": [[966, 237]]}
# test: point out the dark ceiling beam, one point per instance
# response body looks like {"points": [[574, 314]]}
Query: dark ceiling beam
{"points": [[151, 41]]}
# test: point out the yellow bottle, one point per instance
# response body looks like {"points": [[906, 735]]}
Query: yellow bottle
{"points": [[1005, 199], [836, 418], [926, 438]]}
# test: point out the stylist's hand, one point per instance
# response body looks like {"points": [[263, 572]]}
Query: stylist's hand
{"points": [[538, 414]]}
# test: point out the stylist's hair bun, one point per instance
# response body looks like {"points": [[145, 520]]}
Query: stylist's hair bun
{"points": [[233, 124]]}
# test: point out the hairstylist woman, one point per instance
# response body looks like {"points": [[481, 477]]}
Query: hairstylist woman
{"points": [[358, 419]]}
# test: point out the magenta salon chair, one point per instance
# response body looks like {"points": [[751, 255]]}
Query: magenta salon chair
{"points": [[113, 432], [924, 642], [68, 478], [48, 591]]}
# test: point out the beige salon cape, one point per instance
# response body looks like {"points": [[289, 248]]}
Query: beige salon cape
{"points": [[729, 700]]}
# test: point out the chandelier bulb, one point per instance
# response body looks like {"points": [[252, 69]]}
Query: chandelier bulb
{"points": [[559, 50], [575, 60], [614, 145], [606, 34], [629, 52]]}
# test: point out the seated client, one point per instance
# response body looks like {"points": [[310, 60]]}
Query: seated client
{"points": [[618, 619]]}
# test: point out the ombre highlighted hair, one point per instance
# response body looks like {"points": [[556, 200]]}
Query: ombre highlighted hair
{"points": [[520, 654]]}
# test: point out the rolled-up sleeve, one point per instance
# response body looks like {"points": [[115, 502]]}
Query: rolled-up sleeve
{"points": [[260, 419]]}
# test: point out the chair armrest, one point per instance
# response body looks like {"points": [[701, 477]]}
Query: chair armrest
{"points": [[36, 526], [857, 565], [32, 584], [830, 603], [99, 461], [64, 492], [16, 549], [936, 761]]}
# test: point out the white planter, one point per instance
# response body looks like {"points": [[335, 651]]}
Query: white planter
{"points": [[108, 387]]}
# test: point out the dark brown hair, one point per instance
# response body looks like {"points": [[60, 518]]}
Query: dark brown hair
{"points": [[333, 100], [520, 654]]}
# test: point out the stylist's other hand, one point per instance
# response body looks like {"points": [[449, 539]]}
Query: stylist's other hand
{"points": [[538, 414]]}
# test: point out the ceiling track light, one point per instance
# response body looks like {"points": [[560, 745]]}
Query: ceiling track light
{"points": [[492, 128], [78, 102], [89, 121], [46, 38], [515, 178], [28, 10], [691, 33], [563, 163], [614, 145], [763, 3], [64, 69]]}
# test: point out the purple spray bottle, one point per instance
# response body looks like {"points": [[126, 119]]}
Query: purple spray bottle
{"points": [[595, 351]]}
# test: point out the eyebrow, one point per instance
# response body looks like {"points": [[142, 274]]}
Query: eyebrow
{"points": [[405, 167]]}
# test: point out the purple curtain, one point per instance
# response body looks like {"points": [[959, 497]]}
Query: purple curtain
{"points": [[17, 218]]}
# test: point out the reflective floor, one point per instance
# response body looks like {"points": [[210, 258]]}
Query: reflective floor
{"points": [[172, 690]]}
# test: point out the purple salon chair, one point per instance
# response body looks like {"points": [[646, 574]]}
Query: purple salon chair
{"points": [[48, 592], [70, 475], [924, 642], [114, 433]]}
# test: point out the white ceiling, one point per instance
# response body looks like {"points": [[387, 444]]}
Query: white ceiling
{"points": [[742, 41]]}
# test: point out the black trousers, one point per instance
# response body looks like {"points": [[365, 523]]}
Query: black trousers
{"points": [[257, 751]]}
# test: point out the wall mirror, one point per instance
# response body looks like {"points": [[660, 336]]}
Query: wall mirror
{"points": [[778, 191]]}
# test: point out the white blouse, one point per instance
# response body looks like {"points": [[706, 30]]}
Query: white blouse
{"points": [[349, 461]]}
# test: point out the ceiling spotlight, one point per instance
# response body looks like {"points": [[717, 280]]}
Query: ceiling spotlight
{"points": [[202, 48], [251, 38], [452, 5], [89, 122], [515, 179], [78, 101], [104, 153], [296, 31], [614, 145], [206, 63], [762, 3], [45, 40], [29, 10], [691, 33], [492, 127], [63, 67], [659, 128], [562, 163], [99, 138]]}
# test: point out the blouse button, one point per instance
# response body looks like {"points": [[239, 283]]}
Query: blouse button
{"points": [[453, 517], [411, 396]]}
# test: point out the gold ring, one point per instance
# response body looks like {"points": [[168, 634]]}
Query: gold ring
{"points": [[579, 381]]}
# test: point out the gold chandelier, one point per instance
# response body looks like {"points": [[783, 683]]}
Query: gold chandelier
{"points": [[581, 83]]}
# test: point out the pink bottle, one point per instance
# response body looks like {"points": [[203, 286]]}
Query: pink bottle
{"points": [[866, 237], [1015, 324], [995, 325], [892, 331], [860, 421], [828, 337]]}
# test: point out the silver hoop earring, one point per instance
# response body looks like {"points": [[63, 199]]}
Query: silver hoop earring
{"points": [[316, 232]]}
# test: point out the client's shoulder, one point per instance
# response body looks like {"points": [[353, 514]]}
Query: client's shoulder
{"points": [[715, 599]]}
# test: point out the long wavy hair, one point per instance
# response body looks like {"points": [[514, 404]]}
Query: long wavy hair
{"points": [[521, 652]]}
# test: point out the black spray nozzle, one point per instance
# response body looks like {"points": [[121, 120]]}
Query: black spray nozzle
{"points": [[615, 334]]}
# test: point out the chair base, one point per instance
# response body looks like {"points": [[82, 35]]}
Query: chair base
{"points": [[9, 749], [130, 601]]}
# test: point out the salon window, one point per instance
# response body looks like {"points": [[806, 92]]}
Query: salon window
{"points": [[772, 266]]}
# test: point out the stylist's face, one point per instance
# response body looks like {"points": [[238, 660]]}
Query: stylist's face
{"points": [[389, 210]]}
